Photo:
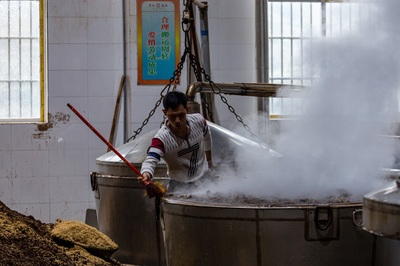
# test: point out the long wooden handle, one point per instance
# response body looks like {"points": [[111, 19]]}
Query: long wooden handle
{"points": [[104, 140], [116, 111]]}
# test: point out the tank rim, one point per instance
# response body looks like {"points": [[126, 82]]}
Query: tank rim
{"points": [[193, 203]]}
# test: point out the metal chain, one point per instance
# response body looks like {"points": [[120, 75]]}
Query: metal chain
{"points": [[207, 105], [196, 68]]}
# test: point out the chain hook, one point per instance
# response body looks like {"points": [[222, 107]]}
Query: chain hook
{"points": [[186, 17]]}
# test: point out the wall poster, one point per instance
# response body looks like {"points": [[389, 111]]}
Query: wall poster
{"points": [[158, 35]]}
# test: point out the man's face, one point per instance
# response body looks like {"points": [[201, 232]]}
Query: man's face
{"points": [[176, 117]]}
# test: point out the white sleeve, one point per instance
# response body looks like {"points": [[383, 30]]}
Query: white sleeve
{"points": [[153, 157]]}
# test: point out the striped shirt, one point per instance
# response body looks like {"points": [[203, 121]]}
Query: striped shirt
{"points": [[185, 158]]}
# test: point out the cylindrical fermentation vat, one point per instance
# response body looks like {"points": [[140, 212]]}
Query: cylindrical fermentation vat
{"points": [[381, 211], [123, 211], [199, 233], [130, 219]]}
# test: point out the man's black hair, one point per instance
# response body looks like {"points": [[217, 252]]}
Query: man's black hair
{"points": [[173, 99]]}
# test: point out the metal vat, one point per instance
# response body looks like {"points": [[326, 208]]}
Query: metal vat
{"points": [[381, 217], [198, 233], [123, 211], [130, 219], [381, 209]]}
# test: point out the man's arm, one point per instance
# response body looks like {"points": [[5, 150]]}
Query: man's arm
{"points": [[155, 153]]}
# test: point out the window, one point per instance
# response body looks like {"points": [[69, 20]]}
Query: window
{"points": [[293, 27], [22, 71]]}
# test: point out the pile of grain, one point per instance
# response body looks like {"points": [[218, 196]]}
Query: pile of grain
{"points": [[27, 241]]}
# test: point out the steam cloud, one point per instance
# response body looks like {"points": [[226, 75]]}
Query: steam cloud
{"points": [[337, 148]]}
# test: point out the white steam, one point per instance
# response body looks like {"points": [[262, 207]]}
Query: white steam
{"points": [[335, 149]]}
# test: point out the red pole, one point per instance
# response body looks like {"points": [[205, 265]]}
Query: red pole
{"points": [[104, 140]]}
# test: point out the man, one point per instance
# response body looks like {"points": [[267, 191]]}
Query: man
{"points": [[184, 142]]}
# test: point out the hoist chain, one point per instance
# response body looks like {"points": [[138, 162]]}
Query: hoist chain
{"points": [[186, 26], [196, 69], [195, 66], [207, 105]]}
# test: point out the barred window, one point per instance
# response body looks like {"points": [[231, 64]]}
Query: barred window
{"points": [[22, 61], [293, 28]]}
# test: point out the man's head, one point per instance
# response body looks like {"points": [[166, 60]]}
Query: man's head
{"points": [[173, 99], [175, 109]]}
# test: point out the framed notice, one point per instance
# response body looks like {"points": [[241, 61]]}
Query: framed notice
{"points": [[158, 29]]}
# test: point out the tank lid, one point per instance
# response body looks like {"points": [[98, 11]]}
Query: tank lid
{"points": [[388, 195], [134, 151]]}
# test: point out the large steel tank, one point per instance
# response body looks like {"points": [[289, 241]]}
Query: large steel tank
{"points": [[381, 217], [201, 233], [224, 232], [381, 210], [123, 211], [130, 218]]}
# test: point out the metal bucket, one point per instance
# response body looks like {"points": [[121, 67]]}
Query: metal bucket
{"points": [[198, 233]]}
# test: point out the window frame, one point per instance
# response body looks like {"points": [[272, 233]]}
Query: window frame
{"points": [[43, 105]]}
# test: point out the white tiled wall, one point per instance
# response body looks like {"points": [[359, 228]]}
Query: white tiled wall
{"points": [[45, 173]]}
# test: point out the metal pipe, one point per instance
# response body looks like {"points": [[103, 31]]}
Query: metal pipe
{"points": [[242, 89], [191, 77], [205, 47], [262, 64], [199, 4], [126, 99], [262, 40], [205, 52]]}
